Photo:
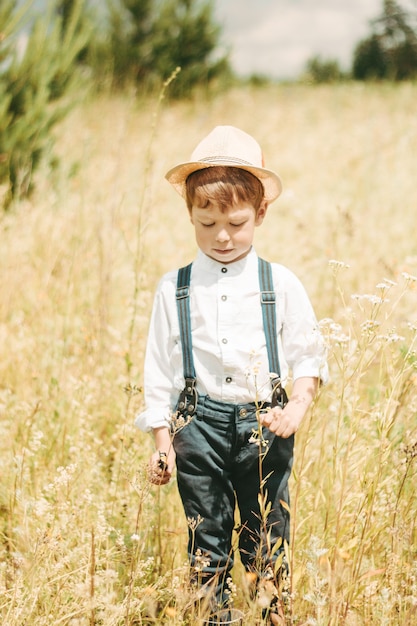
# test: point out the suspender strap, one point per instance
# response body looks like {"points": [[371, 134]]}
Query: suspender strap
{"points": [[184, 318], [187, 402], [269, 316]]}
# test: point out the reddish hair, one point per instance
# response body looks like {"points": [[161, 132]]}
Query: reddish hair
{"points": [[224, 186]]}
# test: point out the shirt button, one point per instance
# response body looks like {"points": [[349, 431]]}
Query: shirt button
{"points": [[229, 379], [224, 298], [224, 340], [224, 270], [243, 413]]}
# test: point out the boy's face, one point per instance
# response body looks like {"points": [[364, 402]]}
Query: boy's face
{"points": [[226, 235]]}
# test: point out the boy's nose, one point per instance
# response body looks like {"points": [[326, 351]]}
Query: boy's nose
{"points": [[222, 235]]}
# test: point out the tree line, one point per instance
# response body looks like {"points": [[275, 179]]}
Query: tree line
{"points": [[389, 52], [47, 58]]}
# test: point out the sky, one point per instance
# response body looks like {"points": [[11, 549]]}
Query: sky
{"points": [[277, 37]]}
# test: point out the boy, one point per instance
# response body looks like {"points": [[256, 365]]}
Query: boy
{"points": [[214, 395]]}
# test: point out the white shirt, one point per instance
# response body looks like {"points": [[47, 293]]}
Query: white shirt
{"points": [[229, 344]]}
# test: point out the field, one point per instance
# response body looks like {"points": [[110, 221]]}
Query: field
{"points": [[85, 539]]}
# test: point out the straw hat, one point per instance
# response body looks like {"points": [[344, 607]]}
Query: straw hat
{"points": [[227, 145]]}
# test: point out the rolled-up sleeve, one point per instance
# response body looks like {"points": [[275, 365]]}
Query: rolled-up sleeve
{"points": [[303, 344], [159, 377]]}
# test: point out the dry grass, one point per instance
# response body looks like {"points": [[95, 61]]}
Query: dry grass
{"points": [[84, 539]]}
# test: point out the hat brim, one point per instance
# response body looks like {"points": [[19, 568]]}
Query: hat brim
{"points": [[178, 175]]}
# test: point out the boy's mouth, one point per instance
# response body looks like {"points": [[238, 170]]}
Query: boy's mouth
{"points": [[217, 251]]}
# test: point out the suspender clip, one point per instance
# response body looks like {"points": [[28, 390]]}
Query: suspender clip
{"points": [[279, 395], [268, 297], [187, 402], [182, 292]]}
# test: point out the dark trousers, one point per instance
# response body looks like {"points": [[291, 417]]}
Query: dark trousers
{"points": [[221, 462]]}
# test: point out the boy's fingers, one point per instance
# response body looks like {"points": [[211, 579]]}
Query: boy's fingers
{"points": [[158, 477], [158, 470], [270, 416], [277, 423]]}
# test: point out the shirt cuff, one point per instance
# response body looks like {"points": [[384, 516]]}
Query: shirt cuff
{"points": [[145, 422], [313, 370]]}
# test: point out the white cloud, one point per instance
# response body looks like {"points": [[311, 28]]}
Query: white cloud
{"points": [[277, 37]]}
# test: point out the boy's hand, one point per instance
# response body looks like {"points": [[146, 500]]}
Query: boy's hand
{"points": [[161, 466], [285, 422], [162, 462]]}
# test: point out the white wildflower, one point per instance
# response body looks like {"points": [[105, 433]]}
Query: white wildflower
{"points": [[338, 264], [370, 297], [409, 277], [369, 326], [392, 337]]}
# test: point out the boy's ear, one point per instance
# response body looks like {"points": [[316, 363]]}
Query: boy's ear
{"points": [[261, 212]]}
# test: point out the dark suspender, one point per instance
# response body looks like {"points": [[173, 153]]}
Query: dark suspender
{"points": [[269, 316], [187, 402], [183, 306], [188, 397]]}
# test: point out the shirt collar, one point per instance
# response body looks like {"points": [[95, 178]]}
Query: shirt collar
{"points": [[205, 264]]}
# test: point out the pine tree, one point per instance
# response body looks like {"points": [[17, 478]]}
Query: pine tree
{"points": [[8, 23], [35, 86], [150, 38], [130, 29], [186, 36], [390, 52], [370, 60]]}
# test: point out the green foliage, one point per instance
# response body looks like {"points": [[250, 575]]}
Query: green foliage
{"points": [[126, 50], [323, 71], [390, 52], [370, 59], [35, 85], [147, 40], [186, 37], [258, 80]]}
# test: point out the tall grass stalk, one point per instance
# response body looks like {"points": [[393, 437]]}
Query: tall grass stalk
{"points": [[141, 216]]}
